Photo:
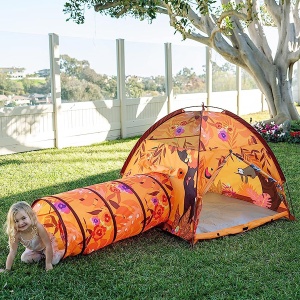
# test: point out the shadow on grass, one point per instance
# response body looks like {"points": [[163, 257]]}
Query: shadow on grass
{"points": [[11, 162], [30, 196], [107, 152]]}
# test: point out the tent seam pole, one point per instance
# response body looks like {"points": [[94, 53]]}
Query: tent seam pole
{"points": [[198, 162]]}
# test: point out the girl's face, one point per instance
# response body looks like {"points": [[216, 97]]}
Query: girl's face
{"points": [[22, 220]]}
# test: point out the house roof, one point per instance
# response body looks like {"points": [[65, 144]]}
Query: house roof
{"points": [[35, 95], [20, 98], [3, 97], [11, 70]]}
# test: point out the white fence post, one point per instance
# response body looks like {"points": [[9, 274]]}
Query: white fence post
{"points": [[208, 75], [238, 76], [55, 86], [168, 75], [298, 82], [121, 93]]}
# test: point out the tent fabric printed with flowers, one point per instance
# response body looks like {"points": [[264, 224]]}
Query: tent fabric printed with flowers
{"points": [[225, 177], [87, 219], [198, 173]]}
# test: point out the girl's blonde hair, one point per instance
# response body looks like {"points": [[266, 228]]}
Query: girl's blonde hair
{"points": [[10, 224]]}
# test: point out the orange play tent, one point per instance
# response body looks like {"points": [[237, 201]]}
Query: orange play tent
{"points": [[225, 177], [198, 173]]}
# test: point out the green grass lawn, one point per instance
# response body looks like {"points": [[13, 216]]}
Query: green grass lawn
{"points": [[263, 263], [261, 116]]}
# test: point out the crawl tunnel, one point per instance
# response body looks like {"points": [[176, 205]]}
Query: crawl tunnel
{"points": [[89, 218]]}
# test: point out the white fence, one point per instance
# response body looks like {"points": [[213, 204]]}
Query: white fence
{"points": [[84, 123]]}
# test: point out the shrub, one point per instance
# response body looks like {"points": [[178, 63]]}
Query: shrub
{"points": [[277, 133], [294, 136], [271, 132], [295, 125]]}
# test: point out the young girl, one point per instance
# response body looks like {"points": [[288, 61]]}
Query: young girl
{"points": [[22, 226]]}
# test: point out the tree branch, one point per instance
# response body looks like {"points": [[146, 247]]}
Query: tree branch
{"points": [[231, 13], [295, 12], [257, 33], [105, 6], [274, 10]]}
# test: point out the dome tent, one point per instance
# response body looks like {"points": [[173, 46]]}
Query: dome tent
{"points": [[225, 177], [198, 173]]}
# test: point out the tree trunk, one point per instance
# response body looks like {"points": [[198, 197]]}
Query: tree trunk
{"points": [[224, 30], [278, 92], [273, 76]]}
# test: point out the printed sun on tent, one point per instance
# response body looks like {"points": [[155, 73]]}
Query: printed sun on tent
{"points": [[197, 173]]}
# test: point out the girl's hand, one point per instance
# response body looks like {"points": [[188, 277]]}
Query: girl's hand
{"points": [[49, 267]]}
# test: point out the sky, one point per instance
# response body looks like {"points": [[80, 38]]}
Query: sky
{"points": [[25, 25], [25, 28], [46, 16]]}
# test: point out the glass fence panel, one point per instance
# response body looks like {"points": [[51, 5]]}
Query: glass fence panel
{"points": [[223, 74], [188, 68], [24, 69], [88, 69], [247, 81], [144, 69]]}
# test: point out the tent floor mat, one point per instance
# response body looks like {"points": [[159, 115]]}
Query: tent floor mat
{"points": [[219, 212]]}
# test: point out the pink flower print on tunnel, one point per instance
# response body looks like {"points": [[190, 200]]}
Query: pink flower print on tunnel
{"points": [[125, 188], [154, 200], [95, 221], [62, 207]]}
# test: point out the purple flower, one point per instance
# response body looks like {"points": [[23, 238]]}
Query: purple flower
{"points": [[154, 200], [62, 207], [95, 221], [223, 135], [124, 188], [179, 130]]}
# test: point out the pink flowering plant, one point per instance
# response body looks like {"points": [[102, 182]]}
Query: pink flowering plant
{"points": [[278, 133], [271, 132]]}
